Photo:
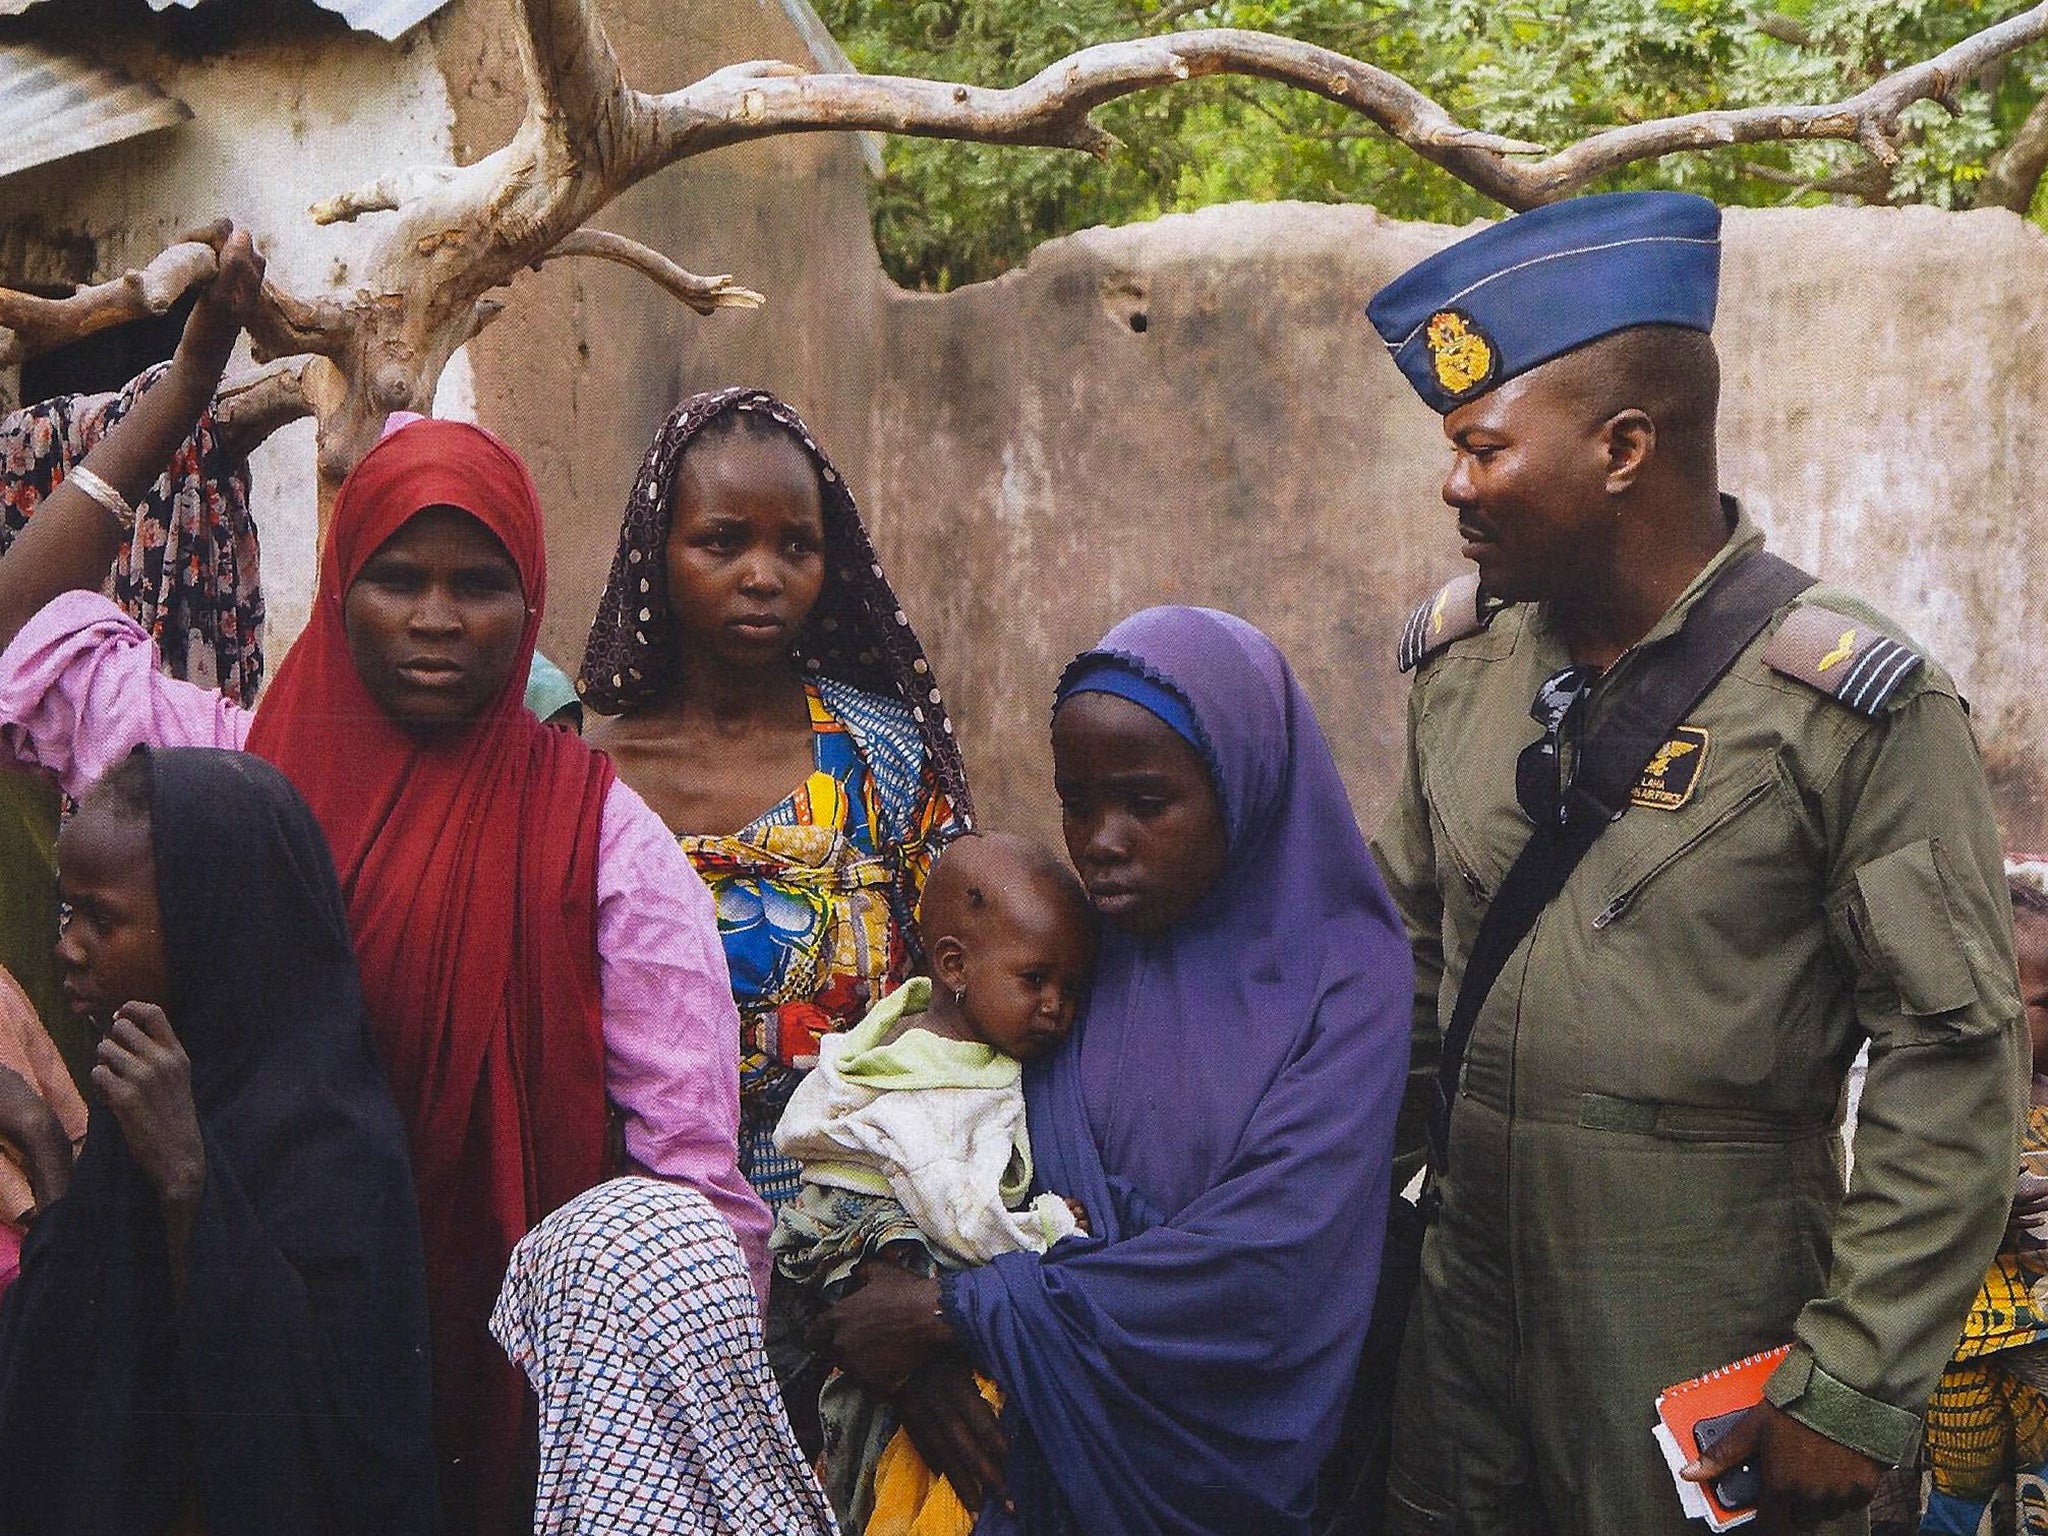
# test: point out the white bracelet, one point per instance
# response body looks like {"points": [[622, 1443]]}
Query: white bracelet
{"points": [[103, 493]]}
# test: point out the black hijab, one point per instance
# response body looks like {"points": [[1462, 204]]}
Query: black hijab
{"points": [[287, 1390]]}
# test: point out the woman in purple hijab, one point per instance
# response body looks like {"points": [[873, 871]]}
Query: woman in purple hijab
{"points": [[1224, 1108]]}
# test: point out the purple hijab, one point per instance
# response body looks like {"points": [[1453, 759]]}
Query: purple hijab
{"points": [[1225, 1110]]}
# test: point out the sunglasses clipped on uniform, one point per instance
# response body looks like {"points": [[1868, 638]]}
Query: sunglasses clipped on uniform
{"points": [[1540, 783]]}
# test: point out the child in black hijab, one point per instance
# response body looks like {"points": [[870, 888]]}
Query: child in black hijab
{"points": [[221, 1325]]}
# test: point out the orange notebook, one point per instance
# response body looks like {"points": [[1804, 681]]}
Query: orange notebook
{"points": [[1681, 1409]]}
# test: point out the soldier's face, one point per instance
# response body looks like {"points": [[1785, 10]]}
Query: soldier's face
{"points": [[1527, 481], [1142, 820]]}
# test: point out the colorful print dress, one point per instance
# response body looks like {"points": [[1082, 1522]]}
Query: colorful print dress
{"points": [[816, 897], [1987, 1423], [816, 901]]}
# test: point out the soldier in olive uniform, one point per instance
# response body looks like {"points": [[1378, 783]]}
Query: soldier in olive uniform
{"points": [[1643, 1176]]}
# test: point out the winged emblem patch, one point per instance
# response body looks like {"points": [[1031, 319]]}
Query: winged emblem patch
{"points": [[1673, 772]]}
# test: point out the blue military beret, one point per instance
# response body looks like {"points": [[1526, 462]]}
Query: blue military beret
{"points": [[1535, 286]]}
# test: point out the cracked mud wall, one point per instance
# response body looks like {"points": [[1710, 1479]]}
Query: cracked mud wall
{"points": [[1190, 410], [1052, 464]]}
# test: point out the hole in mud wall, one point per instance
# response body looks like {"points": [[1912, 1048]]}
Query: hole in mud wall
{"points": [[105, 360], [1127, 300]]}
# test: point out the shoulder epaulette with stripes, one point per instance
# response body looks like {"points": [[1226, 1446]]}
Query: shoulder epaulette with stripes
{"points": [[1451, 615], [1851, 661]]}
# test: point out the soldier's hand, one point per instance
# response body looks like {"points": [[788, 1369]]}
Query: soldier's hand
{"points": [[1807, 1478]]}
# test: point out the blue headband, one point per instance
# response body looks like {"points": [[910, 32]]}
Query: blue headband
{"points": [[1114, 676]]}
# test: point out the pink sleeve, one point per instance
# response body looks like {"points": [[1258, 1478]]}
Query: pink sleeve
{"points": [[79, 688], [671, 1031]]}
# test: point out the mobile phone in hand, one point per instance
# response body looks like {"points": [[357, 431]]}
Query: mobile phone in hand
{"points": [[1740, 1486]]}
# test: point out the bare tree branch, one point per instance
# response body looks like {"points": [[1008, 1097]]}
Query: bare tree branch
{"points": [[1167, 15], [1869, 118], [31, 326], [1871, 180], [1052, 109], [385, 194], [2015, 171], [576, 90], [703, 294], [1786, 29], [484, 312], [251, 406], [285, 325]]}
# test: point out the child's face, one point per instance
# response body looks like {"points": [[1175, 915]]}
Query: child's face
{"points": [[112, 948], [1140, 813], [1026, 973], [2030, 936]]}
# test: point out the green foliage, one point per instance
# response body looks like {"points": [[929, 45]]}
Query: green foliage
{"points": [[1550, 71]]}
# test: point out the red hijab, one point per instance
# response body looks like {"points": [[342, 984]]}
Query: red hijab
{"points": [[469, 865]]}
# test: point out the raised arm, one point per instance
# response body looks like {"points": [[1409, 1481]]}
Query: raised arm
{"points": [[73, 539]]}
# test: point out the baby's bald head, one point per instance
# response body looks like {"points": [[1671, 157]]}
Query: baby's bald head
{"points": [[1009, 933], [990, 873]]}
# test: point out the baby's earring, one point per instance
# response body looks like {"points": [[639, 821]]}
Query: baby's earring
{"points": [[959, 997]]}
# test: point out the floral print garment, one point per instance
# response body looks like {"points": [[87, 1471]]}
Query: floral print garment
{"points": [[189, 573]]}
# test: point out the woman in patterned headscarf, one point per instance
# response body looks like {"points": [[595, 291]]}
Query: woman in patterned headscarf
{"points": [[766, 695], [762, 688], [630, 1311]]}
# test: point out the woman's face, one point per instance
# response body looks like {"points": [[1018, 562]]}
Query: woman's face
{"points": [[746, 548], [434, 620], [1142, 820], [111, 950]]}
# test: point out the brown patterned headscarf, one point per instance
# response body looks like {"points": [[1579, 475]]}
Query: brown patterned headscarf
{"points": [[857, 632]]}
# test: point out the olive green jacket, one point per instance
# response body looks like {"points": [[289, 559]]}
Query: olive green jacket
{"points": [[1669, 1044]]}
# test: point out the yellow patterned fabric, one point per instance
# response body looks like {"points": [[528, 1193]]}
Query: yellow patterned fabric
{"points": [[815, 902], [2011, 1310], [1983, 1424], [1986, 1447], [911, 1499]]}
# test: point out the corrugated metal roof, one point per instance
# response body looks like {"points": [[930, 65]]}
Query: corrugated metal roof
{"points": [[389, 19], [54, 104]]}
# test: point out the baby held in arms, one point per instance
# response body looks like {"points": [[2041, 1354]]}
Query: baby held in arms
{"points": [[911, 1131]]}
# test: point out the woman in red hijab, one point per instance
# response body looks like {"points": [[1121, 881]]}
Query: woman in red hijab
{"points": [[533, 957]]}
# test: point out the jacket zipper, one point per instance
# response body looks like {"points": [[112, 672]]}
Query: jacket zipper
{"points": [[1621, 903]]}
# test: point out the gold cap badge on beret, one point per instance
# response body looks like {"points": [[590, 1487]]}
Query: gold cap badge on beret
{"points": [[1463, 356]]}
